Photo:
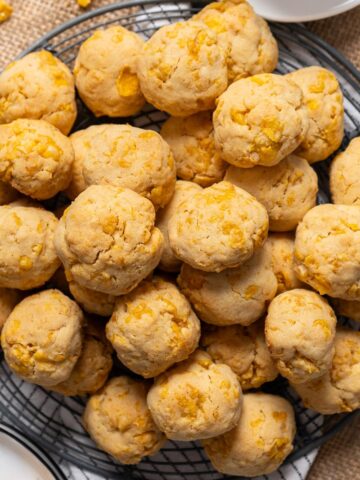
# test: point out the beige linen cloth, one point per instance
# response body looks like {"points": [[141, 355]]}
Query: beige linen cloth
{"points": [[339, 459]]}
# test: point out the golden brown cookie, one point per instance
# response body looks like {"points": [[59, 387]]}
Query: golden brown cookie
{"points": [[260, 442], [153, 327], [324, 104], [125, 156], [233, 296], [218, 228], [327, 250], [281, 247], [244, 350], [191, 140], [345, 175], [300, 330], [42, 338], [287, 190], [92, 367], [38, 86], [259, 120], [169, 262], [35, 158], [338, 390], [245, 37], [196, 399], [105, 72], [118, 420], [107, 240], [92, 301], [182, 69], [27, 253]]}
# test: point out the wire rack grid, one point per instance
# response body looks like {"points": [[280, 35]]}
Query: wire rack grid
{"points": [[55, 421]]}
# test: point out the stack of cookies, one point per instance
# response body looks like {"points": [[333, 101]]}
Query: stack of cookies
{"points": [[197, 256]]}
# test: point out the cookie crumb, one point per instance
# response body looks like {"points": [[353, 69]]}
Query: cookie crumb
{"points": [[6, 11]]}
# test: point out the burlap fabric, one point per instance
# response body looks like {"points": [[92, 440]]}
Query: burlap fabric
{"points": [[339, 459]]}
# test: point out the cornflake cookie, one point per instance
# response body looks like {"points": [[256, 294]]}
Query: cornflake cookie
{"points": [[260, 442], [182, 69], [42, 338], [107, 240], [119, 421], [234, 296], [327, 250], [245, 37], [218, 228], [8, 299], [27, 253], [259, 120], [244, 350], [287, 190], [300, 330], [196, 399], [91, 301], [347, 308], [105, 72], [38, 86], [324, 104], [153, 327], [281, 247], [345, 175], [8, 194], [93, 366], [338, 390], [192, 142], [35, 158], [129, 157], [169, 262]]}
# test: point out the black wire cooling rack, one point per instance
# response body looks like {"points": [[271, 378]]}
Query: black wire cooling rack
{"points": [[55, 421]]}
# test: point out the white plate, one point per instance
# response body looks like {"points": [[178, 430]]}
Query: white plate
{"points": [[301, 10], [21, 459]]}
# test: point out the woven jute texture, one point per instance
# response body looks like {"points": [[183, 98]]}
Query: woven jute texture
{"points": [[339, 459]]}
